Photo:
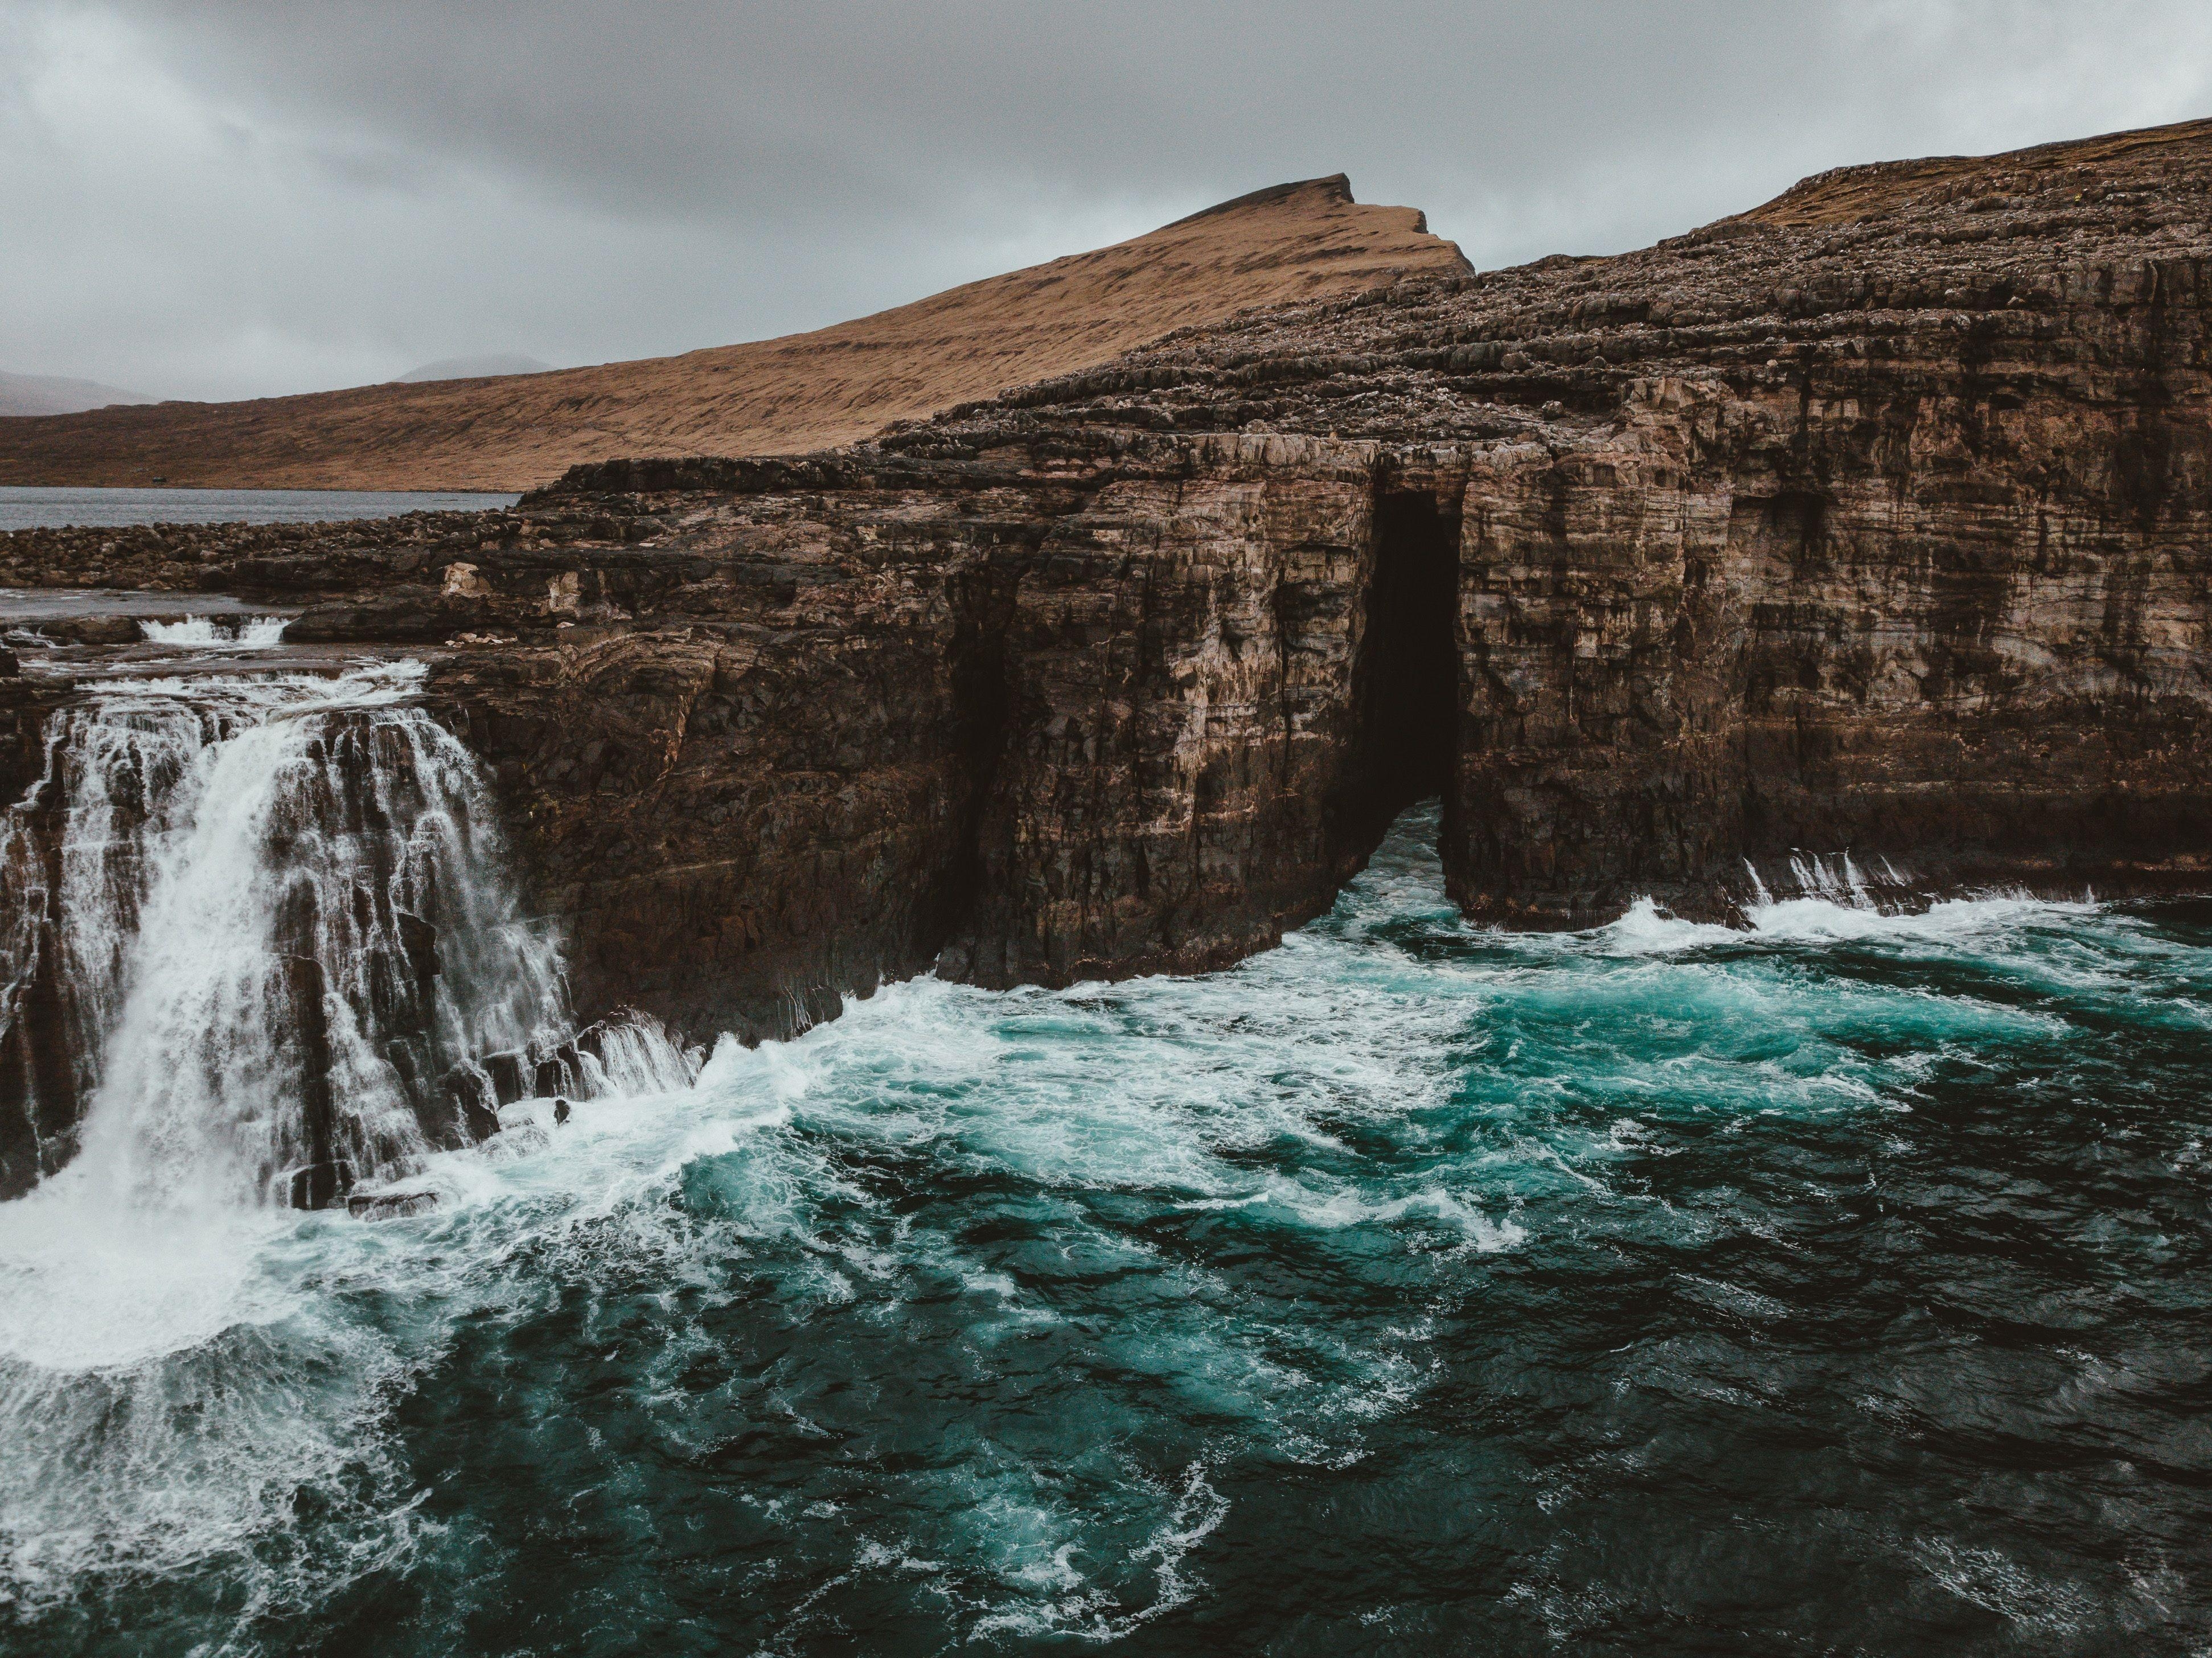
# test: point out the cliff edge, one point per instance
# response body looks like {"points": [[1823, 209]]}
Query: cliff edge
{"points": [[1865, 547]]}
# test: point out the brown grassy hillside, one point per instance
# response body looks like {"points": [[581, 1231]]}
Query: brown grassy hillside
{"points": [[803, 392], [1846, 194]]}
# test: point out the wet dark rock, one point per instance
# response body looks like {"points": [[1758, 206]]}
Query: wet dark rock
{"points": [[419, 616], [507, 1073], [473, 1108], [327, 1176], [320, 1185], [45, 1075], [93, 630], [419, 940], [560, 1072]]}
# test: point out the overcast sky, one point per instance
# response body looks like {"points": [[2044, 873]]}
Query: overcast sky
{"points": [[226, 198]]}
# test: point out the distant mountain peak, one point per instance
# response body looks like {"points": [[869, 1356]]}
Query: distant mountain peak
{"points": [[54, 394]]}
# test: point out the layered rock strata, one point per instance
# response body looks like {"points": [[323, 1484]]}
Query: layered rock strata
{"points": [[1051, 718], [1875, 521]]}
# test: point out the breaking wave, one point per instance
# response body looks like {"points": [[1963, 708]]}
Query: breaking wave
{"points": [[1411, 1286]]}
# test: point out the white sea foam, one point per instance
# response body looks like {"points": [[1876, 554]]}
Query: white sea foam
{"points": [[84, 1285], [1328, 1209], [1946, 920], [1646, 930], [1345, 1093], [169, 1379], [217, 633], [1840, 906]]}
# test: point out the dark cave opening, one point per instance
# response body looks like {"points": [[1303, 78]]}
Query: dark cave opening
{"points": [[1407, 678]]}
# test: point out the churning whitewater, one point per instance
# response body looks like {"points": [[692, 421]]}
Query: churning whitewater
{"points": [[1411, 1287], [240, 862], [274, 912]]}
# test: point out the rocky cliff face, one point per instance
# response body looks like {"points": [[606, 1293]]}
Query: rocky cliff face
{"points": [[1876, 521], [1053, 719]]}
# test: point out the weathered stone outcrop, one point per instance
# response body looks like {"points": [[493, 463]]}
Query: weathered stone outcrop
{"points": [[1051, 720], [1876, 520]]}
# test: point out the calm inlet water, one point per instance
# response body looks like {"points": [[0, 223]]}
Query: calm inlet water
{"points": [[1843, 1286], [28, 508]]}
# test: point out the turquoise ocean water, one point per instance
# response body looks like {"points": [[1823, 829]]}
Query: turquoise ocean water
{"points": [[1840, 1286]]}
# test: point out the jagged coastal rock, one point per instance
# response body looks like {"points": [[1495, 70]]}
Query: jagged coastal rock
{"points": [[1877, 520]]}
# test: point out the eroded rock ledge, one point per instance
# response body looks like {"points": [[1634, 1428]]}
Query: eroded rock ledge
{"points": [[1879, 520]]}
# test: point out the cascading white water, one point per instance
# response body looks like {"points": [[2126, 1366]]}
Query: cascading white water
{"points": [[1833, 878], [275, 917], [211, 633], [635, 1059]]}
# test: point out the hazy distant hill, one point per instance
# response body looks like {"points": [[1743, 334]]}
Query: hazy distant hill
{"points": [[1295, 241], [51, 394], [482, 367]]}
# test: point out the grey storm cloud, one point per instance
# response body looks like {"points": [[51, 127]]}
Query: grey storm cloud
{"points": [[225, 199]]}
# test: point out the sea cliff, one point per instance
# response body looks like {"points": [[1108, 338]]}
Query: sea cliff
{"points": [[1876, 522]]}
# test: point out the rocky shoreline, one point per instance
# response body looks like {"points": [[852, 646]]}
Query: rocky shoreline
{"points": [[1878, 520]]}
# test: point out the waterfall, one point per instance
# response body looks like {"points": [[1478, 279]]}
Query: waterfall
{"points": [[253, 632], [1836, 878], [256, 933]]}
